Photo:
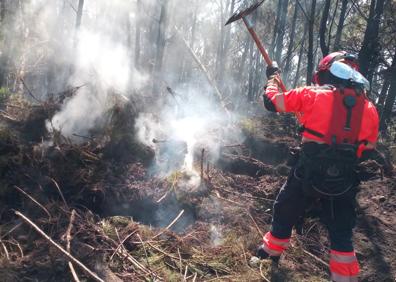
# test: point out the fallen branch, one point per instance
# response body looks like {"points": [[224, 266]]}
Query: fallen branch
{"points": [[10, 231], [316, 258], [34, 200], [45, 236], [121, 244], [170, 225], [262, 274], [60, 193], [161, 251], [68, 239]]}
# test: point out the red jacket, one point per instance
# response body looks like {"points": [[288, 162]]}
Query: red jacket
{"points": [[314, 109]]}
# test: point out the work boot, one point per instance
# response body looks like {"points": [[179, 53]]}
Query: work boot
{"points": [[262, 254]]}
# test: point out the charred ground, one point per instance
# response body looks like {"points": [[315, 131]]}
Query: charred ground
{"points": [[101, 197]]}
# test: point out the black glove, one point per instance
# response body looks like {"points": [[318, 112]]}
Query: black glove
{"points": [[272, 70]]}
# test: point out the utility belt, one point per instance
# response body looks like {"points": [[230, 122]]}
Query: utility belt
{"points": [[325, 171]]}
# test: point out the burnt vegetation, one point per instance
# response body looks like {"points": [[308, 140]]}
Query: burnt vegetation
{"points": [[133, 146]]}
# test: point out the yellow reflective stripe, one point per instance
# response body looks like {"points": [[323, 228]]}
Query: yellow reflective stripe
{"points": [[342, 258], [342, 278], [279, 243], [271, 252]]}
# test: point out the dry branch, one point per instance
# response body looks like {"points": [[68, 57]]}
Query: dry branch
{"points": [[170, 225], [34, 200], [60, 193], [68, 239], [45, 236]]}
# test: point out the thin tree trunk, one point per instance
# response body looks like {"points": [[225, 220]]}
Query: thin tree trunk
{"points": [[78, 21], [383, 94], [286, 69], [3, 56], [322, 31], [160, 43], [300, 55], [276, 28], [340, 26], [242, 68], [251, 74], [2, 11], [391, 97], [79, 13], [137, 36], [281, 31], [310, 54], [332, 21], [369, 53], [220, 44], [187, 73], [227, 39]]}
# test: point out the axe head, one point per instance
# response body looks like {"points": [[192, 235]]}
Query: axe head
{"points": [[243, 12]]}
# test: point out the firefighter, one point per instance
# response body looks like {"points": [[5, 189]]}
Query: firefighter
{"points": [[339, 127]]}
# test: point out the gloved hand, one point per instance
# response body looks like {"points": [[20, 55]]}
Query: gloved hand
{"points": [[272, 70]]}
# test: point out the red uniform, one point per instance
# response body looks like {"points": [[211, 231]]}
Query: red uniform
{"points": [[328, 120]]}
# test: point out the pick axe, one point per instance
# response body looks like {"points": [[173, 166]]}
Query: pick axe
{"points": [[249, 24]]}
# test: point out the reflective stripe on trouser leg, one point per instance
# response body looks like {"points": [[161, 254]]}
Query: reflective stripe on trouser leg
{"points": [[344, 266], [274, 246]]}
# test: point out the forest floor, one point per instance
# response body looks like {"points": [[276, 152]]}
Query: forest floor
{"points": [[100, 201]]}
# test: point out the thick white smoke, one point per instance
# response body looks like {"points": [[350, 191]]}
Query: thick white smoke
{"points": [[103, 64]]}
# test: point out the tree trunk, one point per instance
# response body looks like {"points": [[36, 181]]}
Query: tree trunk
{"points": [[286, 69], [391, 97], [160, 43], [2, 11], [322, 31], [281, 31], [340, 26], [276, 27], [251, 74], [137, 36], [383, 94], [226, 45], [3, 56], [242, 68], [78, 21], [187, 73], [369, 53], [310, 54], [300, 55], [79, 13], [220, 44]]}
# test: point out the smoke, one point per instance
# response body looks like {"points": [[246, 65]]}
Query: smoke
{"points": [[216, 236], [191, 117], [105, 65]]}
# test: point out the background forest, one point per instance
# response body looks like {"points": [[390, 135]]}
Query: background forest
{"points": [[139, 48]]}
